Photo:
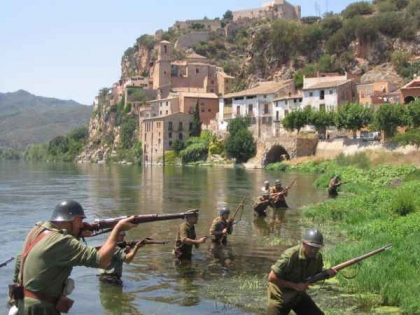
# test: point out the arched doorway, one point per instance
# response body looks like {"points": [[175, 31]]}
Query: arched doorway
{"points": [[276, 154], [408, 99]]}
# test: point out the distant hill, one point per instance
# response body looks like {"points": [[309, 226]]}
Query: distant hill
{"points": [[29, 119]]}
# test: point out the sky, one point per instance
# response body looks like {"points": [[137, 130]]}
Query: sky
{"points": [[70, 49]]}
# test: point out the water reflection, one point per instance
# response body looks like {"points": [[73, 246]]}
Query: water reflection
{"points": [[153, 284]]}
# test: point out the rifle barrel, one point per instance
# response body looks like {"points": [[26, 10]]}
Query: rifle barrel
{"points": [[4, 263]]}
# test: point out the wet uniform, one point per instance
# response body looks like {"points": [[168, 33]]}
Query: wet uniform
{"points": [[332, 188], [113, 273], [48, 266], [218, 225], [184, 251], [281, 200], [293, 266], [260, 206]]}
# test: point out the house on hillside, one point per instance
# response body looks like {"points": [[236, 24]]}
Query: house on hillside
{"points": [[377, 93], [328, 91], [159, 133], [410, 91], [255, 103], [282, 106]]}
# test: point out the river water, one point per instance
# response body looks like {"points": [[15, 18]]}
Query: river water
{"points": [[153, 282]]}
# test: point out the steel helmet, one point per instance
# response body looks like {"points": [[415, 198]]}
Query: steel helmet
{"points": [[223, 210], [266, 182], [278, 181], [67, 210], [313, 237]]}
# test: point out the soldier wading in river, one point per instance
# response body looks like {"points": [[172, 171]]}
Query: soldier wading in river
{"points": [[287, 279], [50, 252]]}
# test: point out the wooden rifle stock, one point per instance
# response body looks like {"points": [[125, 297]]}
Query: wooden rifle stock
{"points": [[324, 274], [231, 220], [145, 241], [275, 196], [4, 263], [106, 225]]}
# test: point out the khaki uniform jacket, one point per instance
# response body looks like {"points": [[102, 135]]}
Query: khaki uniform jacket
{"points": [[293, 266], [185, 230], [218, 225], [115, 268], [49, 264]]}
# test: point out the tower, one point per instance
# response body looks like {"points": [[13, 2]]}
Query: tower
{"points": [[162, 68]]}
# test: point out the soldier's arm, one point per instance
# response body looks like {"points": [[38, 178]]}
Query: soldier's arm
{"points": [[132, 253], [281, 283], [215, 229]]}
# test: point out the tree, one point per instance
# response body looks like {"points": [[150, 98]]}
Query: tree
{"points": [[357, 8], [127, 133], [353, 117], [414, 113], [296, 119], [196, 127], [389, 117], [322, 119], [228, 15], [240, 143]]}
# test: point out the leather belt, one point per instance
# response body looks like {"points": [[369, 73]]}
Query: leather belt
{"points": [[40, 297]]}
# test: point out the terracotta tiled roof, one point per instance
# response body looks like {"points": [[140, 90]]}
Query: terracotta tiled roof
{"points": [[326, 85], [269, 87]]}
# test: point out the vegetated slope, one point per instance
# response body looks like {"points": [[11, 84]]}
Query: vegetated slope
{"points": [[29, 119]]}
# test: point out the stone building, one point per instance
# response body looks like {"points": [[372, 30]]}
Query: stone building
{"points": [[159, 133], [273, 10], [410, 91], [195, 73], [282, 106], [377, 93]]}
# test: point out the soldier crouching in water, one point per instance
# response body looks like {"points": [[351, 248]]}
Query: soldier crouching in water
{"points": [[51, 250], [333, 185], [261, 204], [186, 238], [288, 277], [113, 273]]}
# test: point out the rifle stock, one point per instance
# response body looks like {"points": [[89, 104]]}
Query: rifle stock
{"points": [[106, 225], [324, 274], [145, 241]]}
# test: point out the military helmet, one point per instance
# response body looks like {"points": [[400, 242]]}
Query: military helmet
{"points": [[278, 181], [223, 210], [67, 210], [313, 237], [266, 182]]}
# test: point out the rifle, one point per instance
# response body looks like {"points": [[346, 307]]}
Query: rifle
{"points": [[324, 274], [275, 196], [106, 225], [145, 241], [4, 263], [231, 220]]}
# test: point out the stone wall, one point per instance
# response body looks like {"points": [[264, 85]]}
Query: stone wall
{"points": [[191, 39]]}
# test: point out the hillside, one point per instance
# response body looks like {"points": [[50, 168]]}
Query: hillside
{"points": [[29, 119]]}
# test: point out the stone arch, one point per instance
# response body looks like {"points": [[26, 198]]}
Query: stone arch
{"points": [[276, 153], [408, 99]]}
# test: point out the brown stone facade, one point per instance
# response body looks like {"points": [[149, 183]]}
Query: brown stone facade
{"points": [[410, 91], [159, 133]]}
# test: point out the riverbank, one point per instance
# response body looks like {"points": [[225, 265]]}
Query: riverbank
{"points": [[379, 205]]}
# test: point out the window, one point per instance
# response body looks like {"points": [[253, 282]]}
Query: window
{"points": [[197, 70], [170, 143], [166, 112], [170, 135], [212, 82], [265, 108], [250, 107], [211, 90], [180, 136], [165, 50], [191, 126], [322, 95], [170, 125], [209, 110], [311, 94], [277, 116], [203, 110], [238, 110], [160, 113], [180, 125], [331, 92]]}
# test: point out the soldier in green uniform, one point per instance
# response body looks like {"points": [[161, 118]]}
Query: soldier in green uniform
{"points": [[186, 238], [50, 252], [113, 273], [287, 279], [220, 227]]}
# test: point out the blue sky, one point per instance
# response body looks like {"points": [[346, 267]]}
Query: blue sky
{"points": [[69, 49]]}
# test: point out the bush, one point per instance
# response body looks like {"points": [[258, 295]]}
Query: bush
{"points": [[193, 153], [241, 146], [403, 204], [357, 8], [360, 160], [127, 133], [178, 145]]}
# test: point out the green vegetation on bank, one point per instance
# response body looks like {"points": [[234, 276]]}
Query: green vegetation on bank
{"points": [[9, 154], [61, 148], [377, 206]]}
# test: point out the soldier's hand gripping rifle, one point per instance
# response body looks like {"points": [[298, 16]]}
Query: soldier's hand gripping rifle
{"points": [[4, 263], [231, 219], [275, 196], [106, 225], [325, 275]]}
